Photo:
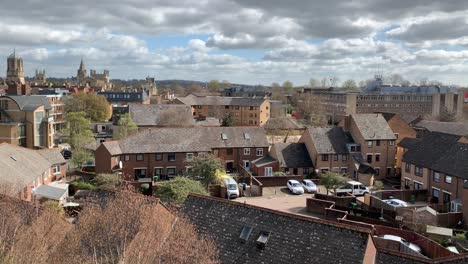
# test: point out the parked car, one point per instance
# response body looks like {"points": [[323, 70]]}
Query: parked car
{"points": [[232, 189], [309, 186], [295, 187], [403, 241], [67, 154], [396, 202], [353, 187]]}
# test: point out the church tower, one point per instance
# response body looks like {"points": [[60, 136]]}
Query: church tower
{"points": [[15, 71], [81, 74]]}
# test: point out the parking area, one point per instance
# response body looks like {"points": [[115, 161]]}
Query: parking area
{"points": [[279, 198]]}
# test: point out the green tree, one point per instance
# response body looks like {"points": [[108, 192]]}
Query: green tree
{"points": [[447, 115], [225, 84], [78, 129], [93, 105], [332, 180], [204, 168], [125, 127], [177, 189], [108, 180], [228, 120], [80, 157], [214, 86]]}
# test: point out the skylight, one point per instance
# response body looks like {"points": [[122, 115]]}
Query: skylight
{"points": [[262, 240], [247, 135], [245, 233], [224, 136]]}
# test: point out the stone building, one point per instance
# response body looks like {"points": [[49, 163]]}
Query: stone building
{"points": [[94, 79], [40, 77], [15, 71]]}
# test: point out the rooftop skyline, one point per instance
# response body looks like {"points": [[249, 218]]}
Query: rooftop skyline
{"points": [[251, 42]]}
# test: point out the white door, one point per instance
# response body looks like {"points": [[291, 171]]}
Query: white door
{"points": [[268, 171]]}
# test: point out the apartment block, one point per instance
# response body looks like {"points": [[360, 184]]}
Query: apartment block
{"points": [[245, 111], [27, 121], [166, 152]]}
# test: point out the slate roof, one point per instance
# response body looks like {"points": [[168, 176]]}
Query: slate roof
{"points": [[31, 102], [408, 142], [373, 127], [52, 155], [455, 128], [329, 139], [220, 100], [191, 139], [150, 114], [20, 166], [292, 155], [441, 152], [50, 192], [293, 239]]}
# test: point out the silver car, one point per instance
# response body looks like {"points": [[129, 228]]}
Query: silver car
{"points": [[403, 241], [309, 186], [295, 187]]}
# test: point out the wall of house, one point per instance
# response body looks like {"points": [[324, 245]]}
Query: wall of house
{"points": [[264, 114], [424, 179], [56, 176], [454, 189], [402, 130], [386, 151], [103, 160], [260, 170], [243, 115]]}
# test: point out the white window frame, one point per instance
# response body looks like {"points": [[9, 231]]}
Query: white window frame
{"points": [[246, 151], [259, 152], [54, 169], [269, 170], [171, 167], [370, 143], [445, 179], [126, 157], [189, 157], [245, 163], [154, 170]]}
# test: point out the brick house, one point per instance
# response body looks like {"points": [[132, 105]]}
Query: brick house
{"points": [[439, 163], [402, 130], [165, 152], [25, 170], [327, 148], [376, 139], [293, 158], [245, 111]]}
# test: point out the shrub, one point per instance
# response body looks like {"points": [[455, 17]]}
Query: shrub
{"points": [[378, 185], [108, 180], [80, 185], [279, 173], [177, 189], [145, 189], [54, 207]]}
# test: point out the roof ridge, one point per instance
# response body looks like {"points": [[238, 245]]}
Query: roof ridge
{"points": [[295, 216]]}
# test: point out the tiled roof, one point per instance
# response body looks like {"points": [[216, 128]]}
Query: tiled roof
{"points": [[284, 123], [455, 128], [328, 139], [53, 156], [151, 114], [293, 238], [373, 126], [292, 155], [20, 166], [31, 102], [409, 142], [196, 139], [264, 160], [440, 152], [219, 100]]}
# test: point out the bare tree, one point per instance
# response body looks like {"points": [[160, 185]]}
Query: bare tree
{"points": [[312, 109]]}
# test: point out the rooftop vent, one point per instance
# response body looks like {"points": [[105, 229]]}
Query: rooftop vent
{"points": [[262, 240], [245, 233], [13, 158], [247, 136], [224, 136]]}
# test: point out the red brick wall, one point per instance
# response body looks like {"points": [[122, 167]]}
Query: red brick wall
{"points": [[260, 170], [272, 181], [103, 159]]}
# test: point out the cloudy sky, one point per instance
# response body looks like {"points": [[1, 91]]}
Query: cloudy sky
{"points": [[243, 41]]}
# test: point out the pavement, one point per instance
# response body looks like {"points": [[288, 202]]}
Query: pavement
{"points": [[279, 198]]}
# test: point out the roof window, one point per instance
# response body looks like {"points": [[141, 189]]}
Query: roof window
{"points": [[245, 233], [224, 136], [262, 240], [247, 135]]}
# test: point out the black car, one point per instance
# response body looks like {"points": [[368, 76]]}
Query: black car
{"points": [[67, 154]]}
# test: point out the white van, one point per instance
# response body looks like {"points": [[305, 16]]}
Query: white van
{"points": [[232, 190], [352, 187]]}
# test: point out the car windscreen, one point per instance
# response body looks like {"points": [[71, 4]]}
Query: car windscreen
{"points": [[232, 186], [296, 185]]}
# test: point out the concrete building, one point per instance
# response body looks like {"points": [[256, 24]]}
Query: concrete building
{"points": [[408, 101], [124, 98], [245, 111], [27, 121]]}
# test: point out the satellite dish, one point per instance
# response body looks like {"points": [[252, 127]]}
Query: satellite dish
{"points": [[120, 165]]}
